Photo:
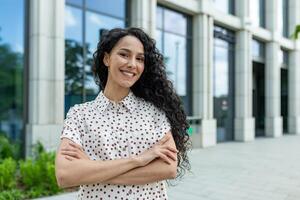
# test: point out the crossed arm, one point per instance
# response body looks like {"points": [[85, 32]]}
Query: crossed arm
{"points": [[73, 167]]}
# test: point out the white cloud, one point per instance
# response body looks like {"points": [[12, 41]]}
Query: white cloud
{"points": [[70, 20], [19, 48], [95, 19]]}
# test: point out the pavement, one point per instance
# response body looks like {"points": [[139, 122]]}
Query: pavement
{"points": [[264, 169]]}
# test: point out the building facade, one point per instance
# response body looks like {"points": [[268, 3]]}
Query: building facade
{"points": [[232, 62]]}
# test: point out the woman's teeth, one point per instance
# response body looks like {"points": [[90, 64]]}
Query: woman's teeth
{"points": [[128, 73]]}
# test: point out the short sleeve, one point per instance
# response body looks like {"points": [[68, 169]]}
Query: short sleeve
{"points": [[73, 126], [162, 125]]}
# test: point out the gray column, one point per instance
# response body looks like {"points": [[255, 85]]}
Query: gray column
{"points": [[143, 15], [46, 73], [244, 122], [294, 72], [273, 121], [202, 78]]}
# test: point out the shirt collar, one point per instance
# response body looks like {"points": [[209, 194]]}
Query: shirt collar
{"points": [[130, 102]]}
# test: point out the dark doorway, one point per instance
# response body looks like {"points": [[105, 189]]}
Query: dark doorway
{"points": [[259, 98], [284, 99]]}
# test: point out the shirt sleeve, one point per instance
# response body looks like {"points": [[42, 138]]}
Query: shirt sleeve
{"points": [[162, 125], [73, 126]]}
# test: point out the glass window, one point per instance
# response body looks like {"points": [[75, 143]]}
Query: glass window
{"points": [[75, 2], [175, 22], [283, 17], [223, 83], [226, 6], [73, 57], [173, 40], [257, 12], [258, 51], [283, 58], [113, 7], [11, 67], [82, 33]]}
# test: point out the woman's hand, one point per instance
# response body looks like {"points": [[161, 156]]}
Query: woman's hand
{"points": [[74, 151], [159, 150]]}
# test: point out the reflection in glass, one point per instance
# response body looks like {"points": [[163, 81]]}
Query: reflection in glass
{"points": [[159, 40], [112, 7], [223, 83], [257, 12], [283, 17], [159, 17], [75, 2], [173, 35], [226, 6], [258, 51], [11, 67], [175, 57], [175, 22], [73, 57]]}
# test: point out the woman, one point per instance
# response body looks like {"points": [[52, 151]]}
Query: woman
{"points": [[132, 137]]}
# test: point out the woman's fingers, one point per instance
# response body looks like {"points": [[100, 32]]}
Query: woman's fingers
{"points": [[76, 146], [70, 158], [169, 154], [171, 149], [71, 153], [164, 158]]}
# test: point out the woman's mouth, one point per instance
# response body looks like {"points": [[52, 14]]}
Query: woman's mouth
{"points": [[127, 73]]}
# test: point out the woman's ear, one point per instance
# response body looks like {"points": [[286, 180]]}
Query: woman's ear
{"points": [[106, 59]]}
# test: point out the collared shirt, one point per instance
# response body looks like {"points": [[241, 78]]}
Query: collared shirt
{"points": [[107, 130]]}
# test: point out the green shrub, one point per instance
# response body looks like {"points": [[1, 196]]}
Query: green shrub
{"points": [[31, 173], [32, 178], [8, 149], [39, 174], [11, 195], [8, 169]]}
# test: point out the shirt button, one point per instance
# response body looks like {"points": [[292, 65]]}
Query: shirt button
{"points": [[124, 148], [130, 191]]}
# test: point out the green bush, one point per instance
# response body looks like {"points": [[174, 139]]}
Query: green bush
{"points": [[11, 195], [8, 149], [39, 174], [24, 179], [8, 169]]}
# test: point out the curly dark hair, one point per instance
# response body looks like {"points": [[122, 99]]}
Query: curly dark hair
{"points": [[153, 86]]}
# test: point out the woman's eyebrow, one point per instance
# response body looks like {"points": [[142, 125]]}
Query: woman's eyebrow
{"points": [[129, 51]]}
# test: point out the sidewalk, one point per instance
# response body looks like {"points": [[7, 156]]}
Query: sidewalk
{"points": [[265, 169]]}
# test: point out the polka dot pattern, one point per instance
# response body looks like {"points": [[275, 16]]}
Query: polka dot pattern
{"points": [[108, 130]]}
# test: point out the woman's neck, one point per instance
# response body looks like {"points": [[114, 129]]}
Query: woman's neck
{"points": [[115, 94]]}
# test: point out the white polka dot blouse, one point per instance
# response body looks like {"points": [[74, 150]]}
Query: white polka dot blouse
{"points": [[107, 130]]}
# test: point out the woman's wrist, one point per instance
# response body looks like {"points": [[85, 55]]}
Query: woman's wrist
{"points": [[138, 162]]}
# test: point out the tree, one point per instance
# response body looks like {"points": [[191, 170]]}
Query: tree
{"points": [[297, 32]]}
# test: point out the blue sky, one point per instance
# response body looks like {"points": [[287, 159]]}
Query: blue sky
{"points": [[12, 23]]}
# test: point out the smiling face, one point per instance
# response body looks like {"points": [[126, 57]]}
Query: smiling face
{"points": [[125, 62]]}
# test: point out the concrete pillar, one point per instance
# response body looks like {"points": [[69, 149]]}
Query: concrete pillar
{"points": [[143, 15], [244, 129], [294, 72], [273, 122], [202, 77], [46, 73]]}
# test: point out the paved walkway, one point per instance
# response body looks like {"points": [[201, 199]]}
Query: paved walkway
{"points": [[266, 169]]}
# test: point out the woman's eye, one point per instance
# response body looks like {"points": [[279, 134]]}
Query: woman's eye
{"points": [[140, 59], [123, 54]]}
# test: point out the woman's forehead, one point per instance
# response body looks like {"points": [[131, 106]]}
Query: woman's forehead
{"points": [[130, 43]]}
